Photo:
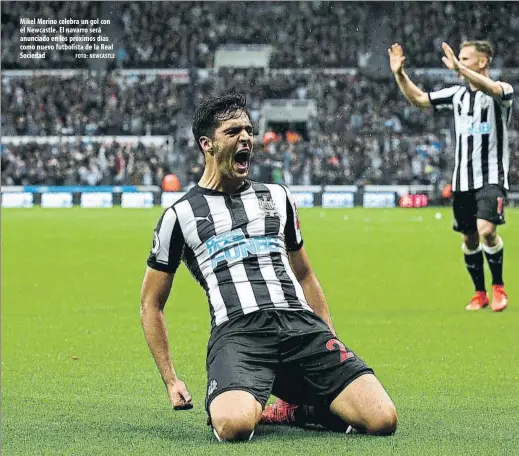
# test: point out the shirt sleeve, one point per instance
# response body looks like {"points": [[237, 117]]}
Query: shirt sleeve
{"points": [[443, 99], [293, 237], [506, 99], [168, 243]]}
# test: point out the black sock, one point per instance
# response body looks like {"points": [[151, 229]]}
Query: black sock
{"points": [[495, 262], [474, 263]]}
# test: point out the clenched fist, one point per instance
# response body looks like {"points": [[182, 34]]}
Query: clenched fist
{"points": [[179, 396]]}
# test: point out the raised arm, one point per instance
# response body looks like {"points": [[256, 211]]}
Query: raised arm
{"points": [[481, 82], [410, 90]]}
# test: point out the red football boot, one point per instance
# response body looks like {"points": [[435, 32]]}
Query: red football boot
{"points": [[479, 301], [280, 412], [499, 298]]}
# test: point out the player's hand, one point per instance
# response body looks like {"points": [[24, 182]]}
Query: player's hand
{"points": [[396, 58], [450, 60], [179, 396]]}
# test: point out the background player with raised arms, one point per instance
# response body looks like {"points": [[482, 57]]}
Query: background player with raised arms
{"points": [[482, 112]]}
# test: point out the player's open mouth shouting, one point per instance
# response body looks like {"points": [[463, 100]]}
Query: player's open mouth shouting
{"points": [[242, 159]]}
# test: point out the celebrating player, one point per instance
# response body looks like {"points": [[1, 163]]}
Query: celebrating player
{"points": [[480, 178], [271, 330]]}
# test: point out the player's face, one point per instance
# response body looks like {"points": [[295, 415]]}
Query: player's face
{"points": [[233, 142], [473, 59]]}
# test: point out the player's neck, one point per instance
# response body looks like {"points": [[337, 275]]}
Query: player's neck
{"points": [[213, 180]]}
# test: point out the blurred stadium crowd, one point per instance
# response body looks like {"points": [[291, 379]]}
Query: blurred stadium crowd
{"points": [[364, 130], [80, 162], [304, 34]]}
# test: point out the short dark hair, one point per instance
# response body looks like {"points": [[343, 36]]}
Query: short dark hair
{"points": [[211, 112], [481, 46]]}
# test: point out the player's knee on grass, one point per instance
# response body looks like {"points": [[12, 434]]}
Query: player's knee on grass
{"points": [[365, 405], [384, 422], [234, 415], [232, 429]]}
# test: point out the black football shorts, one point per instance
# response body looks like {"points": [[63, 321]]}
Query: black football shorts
{"points": [[486, 203], [291, 354]]}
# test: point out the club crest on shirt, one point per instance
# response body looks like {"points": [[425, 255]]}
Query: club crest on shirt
{"points": [[266, 204]]}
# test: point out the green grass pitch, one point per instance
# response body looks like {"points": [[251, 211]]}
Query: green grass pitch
{"points": [[78, 379]]}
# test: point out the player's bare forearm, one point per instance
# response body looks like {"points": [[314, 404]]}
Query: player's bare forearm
{"points": [[316, 299], [154, 294], [154, 325], [411, 91], [312, 289], [481, 82], [156, 333]]}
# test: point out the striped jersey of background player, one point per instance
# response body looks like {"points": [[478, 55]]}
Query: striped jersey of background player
{"points": [[270, 324], [480, 179]]}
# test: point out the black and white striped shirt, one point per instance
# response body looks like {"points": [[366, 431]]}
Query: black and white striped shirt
{"points": [[482, 156], [236, 246]]}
